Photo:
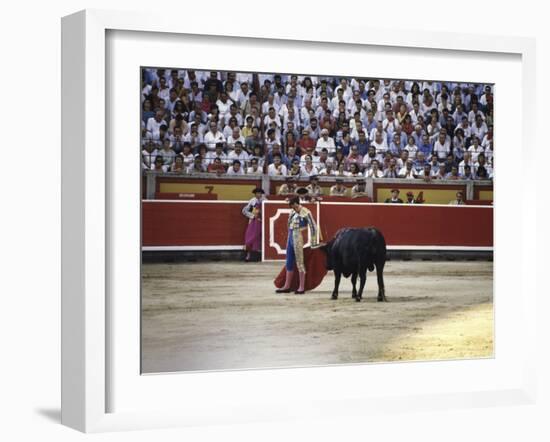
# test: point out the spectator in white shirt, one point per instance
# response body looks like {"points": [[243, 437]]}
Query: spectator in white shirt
{"points": [[407, 172], [187, 155], [374, 171], [148, 155], [234, 113], [277, 168], [270, 103], [479, 129], [475, 149], [213, 136], [164, 90], [325, 142], [467, 161], [442, 147], [474, 113], [411, 148], [272, 117], [154, 124], [234, 138], [218, 153], [235, 169], [254, 168], [380, 143], [238, 154]]}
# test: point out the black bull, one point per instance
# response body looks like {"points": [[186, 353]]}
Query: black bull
{"points": [[353, 252]]}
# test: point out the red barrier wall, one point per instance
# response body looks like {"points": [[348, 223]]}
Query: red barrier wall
{"points": [[186, 223], [191, 223], [402, 225]]}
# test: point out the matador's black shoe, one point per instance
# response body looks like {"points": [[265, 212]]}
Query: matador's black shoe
{"points": [[282, 291], [299, 292]]}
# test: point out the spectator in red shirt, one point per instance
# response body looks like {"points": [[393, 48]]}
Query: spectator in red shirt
{"points": [[305, 143]]}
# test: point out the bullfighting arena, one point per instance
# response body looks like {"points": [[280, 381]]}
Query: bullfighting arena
{"points": [[226, 315]]}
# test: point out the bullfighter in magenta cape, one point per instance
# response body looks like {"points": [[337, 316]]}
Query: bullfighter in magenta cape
{"points": [[253, 234], [299, 220]]}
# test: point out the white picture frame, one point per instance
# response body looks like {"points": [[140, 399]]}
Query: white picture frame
{"points": [[87, 257]]}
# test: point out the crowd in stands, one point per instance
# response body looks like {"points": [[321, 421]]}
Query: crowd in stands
{"points": [[228, 123]]}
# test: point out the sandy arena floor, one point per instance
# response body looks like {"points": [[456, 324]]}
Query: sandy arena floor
{"points": [[225, 315]]}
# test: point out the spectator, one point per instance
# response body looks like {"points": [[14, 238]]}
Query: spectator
{"points": [[410, 198], [395, 146], [258, 155], [306, 143], [360, 189], [159, 166], [154, 124], [277, 168], [407, 172], [434, 164], [354, 158], [167, 153], [467, 175], [235, 169], [197, 166], [442, 147], [309, 168], [427, 173], [238, 154], [391, 171], [402, 160], [218, 153], [374, 171], [466, 161], [420, 162], [177, 166], [254, 168], [394, 199], [213, 136], [254, 140], [288, 188], [325, 142], [411, 148], [328, 170], [341, 170], [370, 157], [459, 201], [479, 129], [338, 189], [247, 129], [216, 166], [418, 135], [295, 169], [482, 173], [475, 149], [380, 143], [487, 170], [234, 138], [148, 156], [344, 144], [194, 137], [449, 163], [315, 191], [453, 174], [354, 170]]}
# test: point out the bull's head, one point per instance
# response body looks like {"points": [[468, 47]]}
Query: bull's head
{"points": [[327, 248]]}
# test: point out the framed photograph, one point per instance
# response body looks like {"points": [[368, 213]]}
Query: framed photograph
{"points": [[200, 277]]}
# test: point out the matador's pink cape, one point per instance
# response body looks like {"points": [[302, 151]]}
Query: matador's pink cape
{"points": [[315, 263]]}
